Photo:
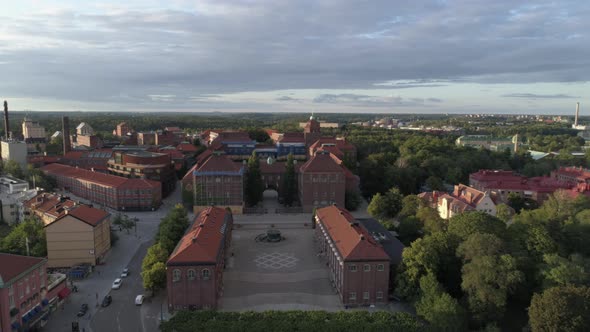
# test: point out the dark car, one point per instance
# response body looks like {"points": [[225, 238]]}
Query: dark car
{"points": [[83, 310], [107, 301]]}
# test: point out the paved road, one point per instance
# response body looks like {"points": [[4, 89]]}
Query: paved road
{"points": [[123, 314]]}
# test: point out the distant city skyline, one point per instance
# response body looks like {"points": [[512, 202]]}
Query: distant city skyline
{"points": [[296, 56]]}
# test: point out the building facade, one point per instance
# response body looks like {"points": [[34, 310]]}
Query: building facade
{"points": [[28, 294], [145, 165], [194, 271], [359, 266], [321, 182], [13, 193], [122, 129], [462, 199], [112, 191], [15, 150]]}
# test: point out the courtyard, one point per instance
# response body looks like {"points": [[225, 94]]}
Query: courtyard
{"points": [[286, 275]]}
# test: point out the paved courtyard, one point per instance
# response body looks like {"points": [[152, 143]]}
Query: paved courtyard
{"points": [[278, 276]]}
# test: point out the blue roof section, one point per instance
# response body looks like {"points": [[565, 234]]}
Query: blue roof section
{"points": [[392, 246]]}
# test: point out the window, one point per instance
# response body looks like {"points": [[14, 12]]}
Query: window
{"points": [[20, 290], [11, 301], [367, 268], [352, 296], [206, 274], [352, 268], [176, 275], [191, 274], [379, 295], [380, 267], [365, 295]]}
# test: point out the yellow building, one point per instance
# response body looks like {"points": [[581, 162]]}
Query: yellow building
{"points": [[80, 235]]}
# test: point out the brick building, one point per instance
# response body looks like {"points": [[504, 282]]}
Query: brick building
{"points": [[311, 131], [339, 147], [216, 180], [76, 233], [194, 271], [112, 191], [321, 182], [28, 294], [358, 264], [145, 165], [571, 175], [91, 160]]}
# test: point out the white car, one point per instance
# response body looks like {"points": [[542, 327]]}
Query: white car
{"points": [[125, 273], [139, 299], [117, 283]]}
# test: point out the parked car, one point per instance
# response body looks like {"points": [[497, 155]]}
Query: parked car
{"points": [[125, 273], [117, 283], [83, 310], [107, 301], [139, 299]]}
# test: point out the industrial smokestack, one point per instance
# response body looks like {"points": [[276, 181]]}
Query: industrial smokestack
{"points": [[577, 114], [6, 125], [65, 129]]}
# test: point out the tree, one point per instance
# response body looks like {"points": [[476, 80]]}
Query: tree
{"points": [[488, 280], [504, 212], [409, 229], [154, 278], [352, 200], [468, 223], [435, 183], [441, 310], [38, 179], [156, 253], [410, 206], [386, 206], [29, 231], [560, 271], [289, 182], [431, 220], [13, 168], [480, 244], [563, 308], [254, 187]]}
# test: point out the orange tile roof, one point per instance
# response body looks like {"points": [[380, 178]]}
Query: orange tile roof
{"points": [[204, 239], [98, 178], [353, 242], [87, 214], [11, 266], [219, 163], [186, 147], [58, 207], [321, 163]]}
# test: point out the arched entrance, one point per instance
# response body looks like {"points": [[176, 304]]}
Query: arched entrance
{"points": [[270, 200]]}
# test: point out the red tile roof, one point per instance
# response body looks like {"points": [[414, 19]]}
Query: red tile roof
{"points": [[98, 178], [219, 163], [186, 147], [11, 266], [353, 242], [321, 163], [88, 214], [292, 138], [341, 143], [204, 239]]}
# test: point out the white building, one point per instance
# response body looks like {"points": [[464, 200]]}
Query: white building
{"points": [[32, 129], [13, 193], [15, 150]]}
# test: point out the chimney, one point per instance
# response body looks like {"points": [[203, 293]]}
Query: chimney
{"points": [[65, 128], [6, 125], [575, 122]]}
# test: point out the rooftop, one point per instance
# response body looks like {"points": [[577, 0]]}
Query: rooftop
{"points": [[98, 178], [322, 163], [12, 266], [354, 243], [203, 240]]}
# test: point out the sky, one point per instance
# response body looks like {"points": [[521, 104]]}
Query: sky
{"points": [[380, 56]]}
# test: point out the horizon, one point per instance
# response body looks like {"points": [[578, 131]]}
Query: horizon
{"points": [[424, 57]]}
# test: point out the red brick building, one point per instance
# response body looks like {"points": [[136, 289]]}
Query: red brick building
{"points": [[112, 191], [311, 131], [194, 271], [122, 129], [337, 146], [571, 175], [145, 165], [321, 182], [91, 160], [27, 293], [358, 264], [216, 180]]}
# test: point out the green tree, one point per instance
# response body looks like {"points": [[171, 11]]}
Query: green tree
{"points": [[13, 168], [156, 253], [38, 179], [410, 206], [559, 271], [254, 187], [431, 220], [29, 231], [289, 182], [468, 223], [488, 280], [352, 200], [154, 278], [437, 307], [386, 206], [480, 244], [504, 212], [563, 308]]}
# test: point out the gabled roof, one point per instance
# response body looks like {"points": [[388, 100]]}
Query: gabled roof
{"points": [[219, 163], [11, 266], [98, 178], [353, 242], [87, 214], [321, 163], [341, 143], [58, 207], [292, 138], [186, 147], [392, 245], [203, 240]]}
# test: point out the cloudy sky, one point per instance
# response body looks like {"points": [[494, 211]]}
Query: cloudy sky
{"points": [[438, 56]]}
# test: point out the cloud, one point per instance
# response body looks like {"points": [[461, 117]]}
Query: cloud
{"points": [[98, 54], [376, 101], [287, 98], [538, 96]]}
